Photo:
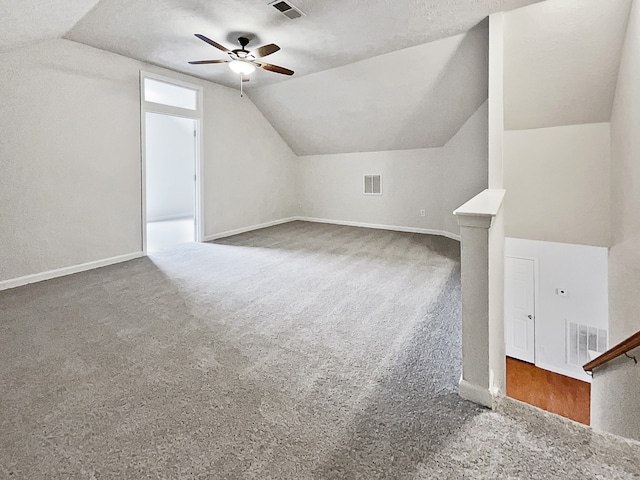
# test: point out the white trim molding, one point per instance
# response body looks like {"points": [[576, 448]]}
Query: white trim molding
{"points": [[475, 393], [61, 272], [237, 231], [395, 228], [165, 218]]}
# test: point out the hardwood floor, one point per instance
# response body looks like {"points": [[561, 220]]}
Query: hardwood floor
{"points": [[550, 391]]}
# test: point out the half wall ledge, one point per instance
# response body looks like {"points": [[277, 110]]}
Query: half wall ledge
{"points": [[481, 209]]}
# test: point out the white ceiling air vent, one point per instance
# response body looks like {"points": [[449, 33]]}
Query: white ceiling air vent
{"points": [[287, 9], [372, 185]]}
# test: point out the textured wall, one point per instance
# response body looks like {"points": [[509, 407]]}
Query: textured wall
{"points": [[70, 153], [250, 170], [561, 61], [170, 153], [624, 255], [557, 182], [615, 389], [438, 180], [616, 386], [70, 189]]}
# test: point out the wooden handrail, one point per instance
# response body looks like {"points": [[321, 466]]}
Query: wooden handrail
{"points": [[620, 349]]}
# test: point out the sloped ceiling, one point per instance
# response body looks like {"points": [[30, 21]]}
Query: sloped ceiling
{"points": [[418, 97], [561, 62], [27, 21], [374, 75], [333, 32]]}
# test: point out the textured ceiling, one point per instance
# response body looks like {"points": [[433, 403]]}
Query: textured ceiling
{"points": [[27, 21], [418, 97], [333, 32], [561, 62], [370, 75], [384, 71]]}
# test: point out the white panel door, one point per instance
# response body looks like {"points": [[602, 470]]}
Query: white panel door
{"points": [[519, 314]]}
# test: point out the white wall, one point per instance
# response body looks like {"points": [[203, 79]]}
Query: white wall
{"points": [[561, 59], [70, 153], [624, 255], [170, 166], [437, 179], [557, 182], [616, 385], [582, 271], [615, 390], [70, 189], [249, 170]]}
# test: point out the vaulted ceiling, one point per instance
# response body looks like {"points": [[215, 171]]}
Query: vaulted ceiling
{"points": [[418, 97], [374, 75], [333, 32], [28, 21]]}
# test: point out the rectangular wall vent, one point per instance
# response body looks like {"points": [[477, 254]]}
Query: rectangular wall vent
{"points": [[372, 185], [287, 9], [582, 339]]}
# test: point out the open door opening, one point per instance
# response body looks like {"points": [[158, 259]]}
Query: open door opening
{"points": [[171, 114], [170, 146]]}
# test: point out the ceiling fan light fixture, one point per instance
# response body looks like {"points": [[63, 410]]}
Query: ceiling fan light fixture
{"points": [[241, 67]]}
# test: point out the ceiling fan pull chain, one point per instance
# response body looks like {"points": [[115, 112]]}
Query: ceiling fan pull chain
{"points": [[241, 89]]}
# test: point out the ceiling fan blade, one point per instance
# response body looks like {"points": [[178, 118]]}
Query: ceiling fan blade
{"points": [[275, 68], [265, 50], [203, 62], [212, 43]]}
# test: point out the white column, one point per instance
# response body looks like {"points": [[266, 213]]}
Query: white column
{"points": [[482, 375], [496, 99]]}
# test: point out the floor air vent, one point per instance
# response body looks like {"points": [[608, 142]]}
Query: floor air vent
{"points": [[287, 9], [372, 185], [584, 343]]}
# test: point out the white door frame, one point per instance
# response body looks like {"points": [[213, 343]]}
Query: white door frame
{"points": [[197, 115]]}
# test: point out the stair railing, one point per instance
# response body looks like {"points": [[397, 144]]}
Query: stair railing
{"points": [[623, 348]]}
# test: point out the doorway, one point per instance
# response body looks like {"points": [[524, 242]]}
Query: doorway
{"points": [[170, 176], [171, 145], [564, 289]]}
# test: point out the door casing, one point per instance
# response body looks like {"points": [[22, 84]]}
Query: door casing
{"points": [[197, 115]]}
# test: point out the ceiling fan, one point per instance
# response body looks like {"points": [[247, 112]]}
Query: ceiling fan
{"points": [[243, 61]]}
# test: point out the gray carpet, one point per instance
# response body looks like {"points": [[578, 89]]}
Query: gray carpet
{"points": [[302, 351]]}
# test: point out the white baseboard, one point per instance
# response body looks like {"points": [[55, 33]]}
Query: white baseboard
{"points": [[396, 228], [61, 272], [177, 216], [237, 231], [475, 393]]}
